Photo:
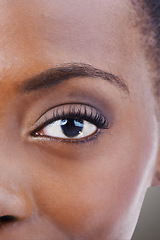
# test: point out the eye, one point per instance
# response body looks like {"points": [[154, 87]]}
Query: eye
{"points": [[70, 122], [69, 128]]}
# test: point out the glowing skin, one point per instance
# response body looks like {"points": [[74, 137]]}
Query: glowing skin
{"points": [[60, 190]]}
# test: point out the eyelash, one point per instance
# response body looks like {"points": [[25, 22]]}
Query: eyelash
{"points": [[81, 111]]}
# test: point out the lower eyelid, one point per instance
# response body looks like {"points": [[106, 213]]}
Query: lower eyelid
{"points": [[89, 139]]}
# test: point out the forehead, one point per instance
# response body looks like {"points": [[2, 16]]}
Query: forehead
{"points": [[54, 30]]}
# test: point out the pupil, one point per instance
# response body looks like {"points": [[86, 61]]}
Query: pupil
{"points": [[72, 127]]}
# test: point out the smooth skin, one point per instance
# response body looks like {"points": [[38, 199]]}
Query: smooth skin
{"points": [[70, 190]]}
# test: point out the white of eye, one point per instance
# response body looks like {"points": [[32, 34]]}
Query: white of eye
{"points": [[55, 130]]}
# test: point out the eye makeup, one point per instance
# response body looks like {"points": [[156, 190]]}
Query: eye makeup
{"points": [[71, 111]]}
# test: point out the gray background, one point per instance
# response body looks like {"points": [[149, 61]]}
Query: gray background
{"points": [[148, 225]]}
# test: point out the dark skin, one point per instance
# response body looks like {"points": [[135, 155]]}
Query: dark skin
{"points": [[90, 186]]}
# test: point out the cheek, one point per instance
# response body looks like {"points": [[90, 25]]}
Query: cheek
{"points": [[133, 156], [92, 194]]}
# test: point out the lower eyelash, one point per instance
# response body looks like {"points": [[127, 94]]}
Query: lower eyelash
{"points": [[88, 140]]}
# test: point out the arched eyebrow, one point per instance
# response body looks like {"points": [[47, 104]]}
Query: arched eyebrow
{"points": [[57, 75]]}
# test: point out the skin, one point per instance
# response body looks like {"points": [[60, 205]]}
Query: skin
{"points": [[61, 189]]}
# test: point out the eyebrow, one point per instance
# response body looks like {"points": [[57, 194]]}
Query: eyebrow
{"points": [[57, 75]]}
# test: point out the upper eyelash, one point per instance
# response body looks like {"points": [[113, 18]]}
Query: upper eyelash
{"points": [[98, 119], [94, 116]]}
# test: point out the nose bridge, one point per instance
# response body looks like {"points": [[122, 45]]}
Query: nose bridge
{"points": [[15, 203]]}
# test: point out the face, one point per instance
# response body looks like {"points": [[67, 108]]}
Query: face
{"points": [[79, 132]]}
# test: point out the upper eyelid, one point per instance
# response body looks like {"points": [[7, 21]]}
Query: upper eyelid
{"points": [[62, 105], [56, 109]]}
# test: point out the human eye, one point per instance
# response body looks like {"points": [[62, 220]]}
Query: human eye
{"points": [[70, 122]]}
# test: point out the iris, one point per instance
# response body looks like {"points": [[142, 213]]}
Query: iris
{"points": [[72, 127]]}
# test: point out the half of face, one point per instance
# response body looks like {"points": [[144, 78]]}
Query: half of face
{"points": [[79, 132]]}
